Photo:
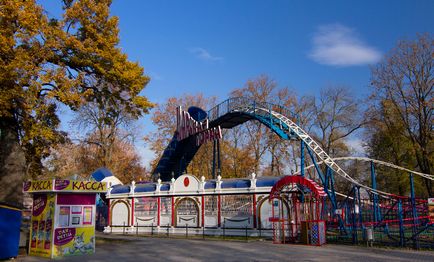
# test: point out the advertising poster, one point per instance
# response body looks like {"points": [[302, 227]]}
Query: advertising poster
{"points": [[42, 225], [87, 216], [74, 241]]}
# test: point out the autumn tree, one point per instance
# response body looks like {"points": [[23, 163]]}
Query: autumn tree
{"points": [[401, 108], [104, 122], [260, 89], [83, 159], [336, 115], [237, 158], [46, 61], [164, 118]]}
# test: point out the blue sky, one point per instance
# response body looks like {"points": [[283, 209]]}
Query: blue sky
{"points": [[213, 47]]}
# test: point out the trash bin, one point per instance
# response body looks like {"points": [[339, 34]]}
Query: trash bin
{"points": [[10, 223], [369, 236]]}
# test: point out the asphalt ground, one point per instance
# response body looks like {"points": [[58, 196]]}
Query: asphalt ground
{"points": [[129, 248]]}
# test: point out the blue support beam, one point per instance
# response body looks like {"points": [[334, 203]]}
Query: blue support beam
{"points": [[401, 224], [302, 158], [318, 170], [414, 212]]}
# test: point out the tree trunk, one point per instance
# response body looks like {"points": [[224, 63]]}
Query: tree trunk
{"points": [[12, 164], [424, 165]]}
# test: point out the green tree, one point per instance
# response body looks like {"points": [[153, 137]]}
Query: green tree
{"points": [[44, 62], [401, 111]]}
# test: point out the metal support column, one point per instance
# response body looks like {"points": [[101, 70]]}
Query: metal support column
{"points": [[414, 212], [302, 158], [401, 224], [354, 231]]}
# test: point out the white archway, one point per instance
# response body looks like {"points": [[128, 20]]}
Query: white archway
{"points": [[120, 213]]}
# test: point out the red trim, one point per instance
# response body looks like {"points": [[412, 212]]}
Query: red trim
{"points": [[219, 217], [286, 180], [254, 211], [203, 211], [132, 211], [158, 211], [173, 211]]}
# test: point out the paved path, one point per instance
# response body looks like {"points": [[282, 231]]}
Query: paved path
{"points": [[121, 248]]}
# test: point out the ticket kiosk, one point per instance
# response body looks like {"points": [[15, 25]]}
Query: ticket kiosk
{"points": [[63, 217]]}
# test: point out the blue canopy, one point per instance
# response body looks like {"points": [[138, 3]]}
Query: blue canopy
{"points": [[101, 173]]}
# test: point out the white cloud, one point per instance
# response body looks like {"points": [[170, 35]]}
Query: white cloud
{"points": [[338, 45], [204, 54]]}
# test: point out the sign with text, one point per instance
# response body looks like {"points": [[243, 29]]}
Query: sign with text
{"points": [[38, 186], [62, 185], [74, 185], [74, 241], [187, 126]]}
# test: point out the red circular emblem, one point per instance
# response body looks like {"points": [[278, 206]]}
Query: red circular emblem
{"points": [[186, 182]]}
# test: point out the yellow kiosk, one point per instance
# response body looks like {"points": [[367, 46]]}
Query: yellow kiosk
{"points": [[63, 217]]}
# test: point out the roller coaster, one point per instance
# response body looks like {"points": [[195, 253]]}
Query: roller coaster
{"points": [[400, 219]]}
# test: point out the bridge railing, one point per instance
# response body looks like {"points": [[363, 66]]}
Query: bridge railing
{"points": [[247, 105]]}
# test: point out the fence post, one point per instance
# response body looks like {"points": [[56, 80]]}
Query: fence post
{"points": [[354, 229], [152, 229], [124, 229], [203, 232], [186, 230], [401, 224], [137, 228], [414, 213], [224, 226], [168, 226]]}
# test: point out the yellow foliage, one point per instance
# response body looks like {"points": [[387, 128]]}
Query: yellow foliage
{"points": [[71, 61]]}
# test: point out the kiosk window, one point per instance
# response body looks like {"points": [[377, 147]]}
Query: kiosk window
{"points": [[63, 216], [76, 210], [87, 215], [75, 220]]}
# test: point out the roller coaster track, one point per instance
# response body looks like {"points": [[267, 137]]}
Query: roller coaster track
{"points": [[313, 145], [366, 159], [235, 111]]}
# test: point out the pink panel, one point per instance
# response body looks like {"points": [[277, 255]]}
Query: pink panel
{"points": [[76, 199]]}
